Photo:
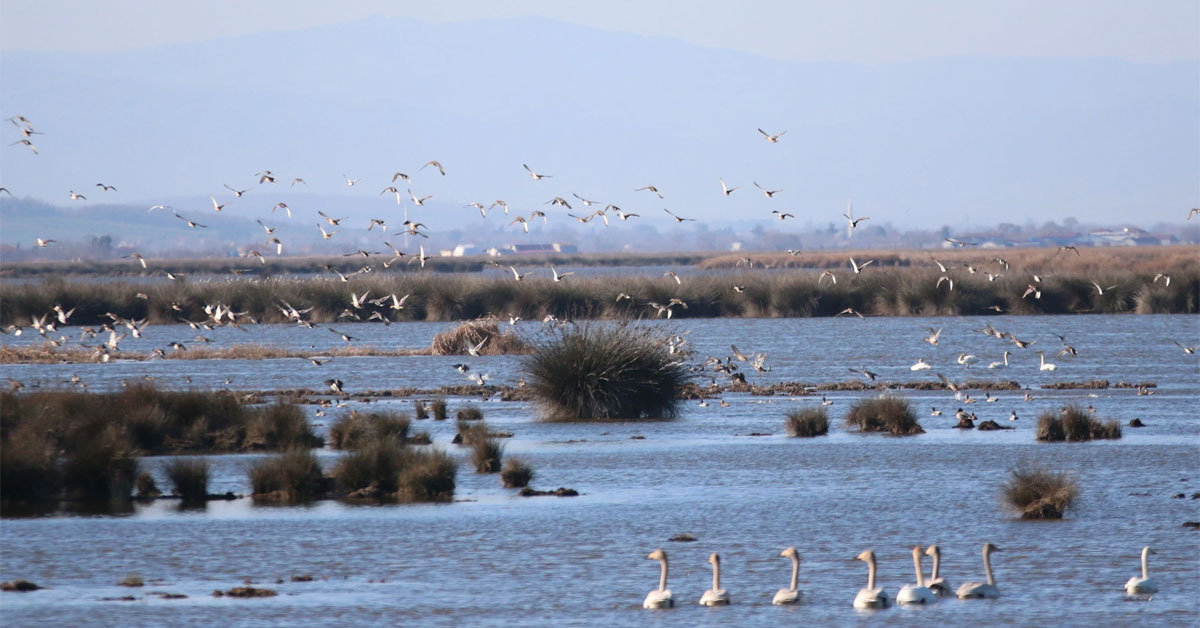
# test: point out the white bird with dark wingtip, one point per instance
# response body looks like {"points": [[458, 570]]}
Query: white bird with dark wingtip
{"points": [[536, 175], [767, 193], [772, 138]]}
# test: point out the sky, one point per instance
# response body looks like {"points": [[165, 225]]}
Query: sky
{"points": [[864, 31]]}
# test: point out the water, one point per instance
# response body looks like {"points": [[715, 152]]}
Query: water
{"points": [[493, 558]]}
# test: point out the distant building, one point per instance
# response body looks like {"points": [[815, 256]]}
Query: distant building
{"points": [[1129, 236], [533, 249], [463, 250]]}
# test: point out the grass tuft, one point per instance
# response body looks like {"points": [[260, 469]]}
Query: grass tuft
{"points": [[471, 333], [1074, 424], [438, 407], [427, 476], [470, 413], [357, 429], [421, 411], [516, 472], [294, 475], [189, 476], [884, 414], [606, 371], [808, 422], [486, 454], [1036, 492]]}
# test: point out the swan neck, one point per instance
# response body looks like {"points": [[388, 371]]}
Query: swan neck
{"points": [[937, 560], [716, 575], [662, 579], [987, 568], [871, 573], [917, 565], [795, 573], [1145, 569]]}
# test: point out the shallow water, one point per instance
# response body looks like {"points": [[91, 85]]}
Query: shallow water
{"points": [[492, 558]]}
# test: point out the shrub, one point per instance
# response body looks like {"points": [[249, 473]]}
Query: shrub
{"points": [[470, 413], [884, 414], [470, 433], [420, 410], [1075, 424], [455, 341], [486, 454], [356, 429], [293, 475], [1035, 492], [28, 468], [372, 470], [280, 426], [516, 472], [808, 422], [189, 476], [427, 476], [439, 409], [146, 487], [605, 371]]}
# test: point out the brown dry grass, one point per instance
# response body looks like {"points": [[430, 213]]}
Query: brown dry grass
{"points": [[77, 355], [455, 341]]}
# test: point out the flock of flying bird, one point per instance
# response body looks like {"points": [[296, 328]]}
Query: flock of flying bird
{"points": [[924, 591]]}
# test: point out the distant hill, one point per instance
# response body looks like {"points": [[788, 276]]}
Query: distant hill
{"points": [[943, 141]]}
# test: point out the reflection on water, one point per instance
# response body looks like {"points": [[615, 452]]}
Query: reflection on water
{"points": [[494, 559]]}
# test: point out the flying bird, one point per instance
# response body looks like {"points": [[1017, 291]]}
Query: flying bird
{"points": [[106, 188], [190, 223], [678, 218], [767, 193], [725, 188], [650, 188], [436, 164], [772, 138], [537, 176], [236, 193]]}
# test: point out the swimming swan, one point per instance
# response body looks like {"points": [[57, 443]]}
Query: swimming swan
{"points": [[716, 596], [660, 597], [978, 589], [918, 593], [1046, 366], [921, 365], [870, 597], [939, 585], [790, 595], [1143, 585]]}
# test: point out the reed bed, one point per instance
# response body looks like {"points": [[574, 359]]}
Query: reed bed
{"points": [[292, 476], [484, 334], [884, 414], [808, 422], [1074, 424], [600, 371], [1035, 492], [902, 289]]}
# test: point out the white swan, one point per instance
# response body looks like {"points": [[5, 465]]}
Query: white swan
{"points": [[939, 585], [1143, 585], [921, 365], [979, 589], [660, 597], [918, 593], [870, 597], [790, 595], [716, 596], [966, 359], [1046, 366], [1000, 365]]}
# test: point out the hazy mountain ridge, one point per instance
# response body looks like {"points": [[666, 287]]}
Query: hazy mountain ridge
{"points": [[930, 142]]}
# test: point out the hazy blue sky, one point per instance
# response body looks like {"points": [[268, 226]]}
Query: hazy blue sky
{"points": [[868, 31]]}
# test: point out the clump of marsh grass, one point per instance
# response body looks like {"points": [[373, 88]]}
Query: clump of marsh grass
{"points": [[356, 429], [189, 476], [1036, 492], [808, 422], [516, 472], [372, 470], [1075, 424], [484, 334], [427, 476], [146, 487], [294, 475], [470, 413], [486, 454], [438, 407], [105, 469], [421, 411], [606, 371], [470, 432], [28, 467], [279, 425], [884, 414]]}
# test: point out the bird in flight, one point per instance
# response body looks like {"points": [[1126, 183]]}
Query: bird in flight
{"points": [[106, 188], [678, 218], [519, 276], [418, 201], [28, 143], [650, 188], [1067, 248], [436, 164], [537, 176], [236, 193], [859, 267], [190, 223], [284, 207], [766, 192], [350, 182], [725, 188], [43, 243], [781, 215], [559, 276], [772, 138], [217, 207], [336, 222], [586, 203], [75, 196]]}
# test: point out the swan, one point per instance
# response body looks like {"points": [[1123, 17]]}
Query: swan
{"points": [[790, 595], [918, 593], [921, 365], [980, 589], [660, 597], [939, 585], [870, 597], [966, 359], [1143, 585], [1046, 366], [716, 596], [1000, 365]]}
